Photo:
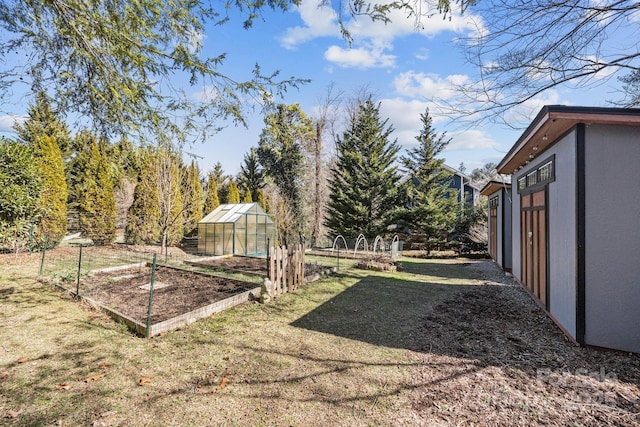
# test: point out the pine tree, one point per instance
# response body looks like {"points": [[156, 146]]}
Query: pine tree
{"points": [[430, 211], [193, 198], [247, 197], [281, 151], [211, 201], [234, 194], [364, 182], [96, 203], [251, 176]]}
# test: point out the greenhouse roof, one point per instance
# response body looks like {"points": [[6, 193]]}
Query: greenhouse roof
{"points": [[232, 213]]}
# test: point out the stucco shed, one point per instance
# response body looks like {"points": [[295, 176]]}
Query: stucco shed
{"points": [[575, 232], [498, 194]]}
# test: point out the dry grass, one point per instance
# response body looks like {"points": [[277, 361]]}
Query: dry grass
{"points": [[349, 350]]}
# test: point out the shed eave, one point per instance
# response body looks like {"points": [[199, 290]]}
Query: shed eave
{"points": [[552, 123], [493, 186]]}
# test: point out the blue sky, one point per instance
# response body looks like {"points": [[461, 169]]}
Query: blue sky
{"points": [[403, 67]]}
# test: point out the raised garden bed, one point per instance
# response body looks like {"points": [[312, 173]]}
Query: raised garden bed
{"points": [[180, 297]]}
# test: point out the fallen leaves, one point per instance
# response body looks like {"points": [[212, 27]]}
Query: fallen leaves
{"points": [[93, 378], [63, 386], [23, 360], [224, 383], [144, 380]]}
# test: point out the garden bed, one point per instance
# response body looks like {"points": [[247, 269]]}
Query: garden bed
{"points": [[180, 297], [252, 265]]}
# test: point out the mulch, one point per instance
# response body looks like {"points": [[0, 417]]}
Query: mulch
{"points": [[491, 356]]}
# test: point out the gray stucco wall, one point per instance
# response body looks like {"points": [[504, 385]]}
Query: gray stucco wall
{"points": [[612, 240], [561, 212]]}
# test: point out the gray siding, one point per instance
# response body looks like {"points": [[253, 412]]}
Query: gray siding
{"points": [[612, 256], [561, 213]]}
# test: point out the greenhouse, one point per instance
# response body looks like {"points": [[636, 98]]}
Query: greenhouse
{"points": [[236, 229]]}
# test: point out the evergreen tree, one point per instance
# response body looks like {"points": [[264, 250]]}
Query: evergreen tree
{"points": [[222, 181], [143, 219], [281, 151], [46, 134], [193, 198], [96, 203], [20, 187], [211, 201], [262, 201], [234, 194], [251, 175], [52, 226], [247, 197], [364, 182], [45, 121], [431, 211]]}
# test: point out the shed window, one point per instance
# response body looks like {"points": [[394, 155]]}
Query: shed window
{"points": [[522, 183], [494, 202], [538, 177]]}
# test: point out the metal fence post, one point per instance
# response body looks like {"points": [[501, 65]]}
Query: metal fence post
{"points": [[31, 238], [153, 275], [44, 249], [79, 270]]}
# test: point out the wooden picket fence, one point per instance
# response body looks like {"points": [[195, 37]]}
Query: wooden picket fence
{"points": [[286, 269]]}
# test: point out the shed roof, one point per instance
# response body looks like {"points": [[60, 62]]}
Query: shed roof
{"points": [[552, 122], [230, 213], [493, 186]]}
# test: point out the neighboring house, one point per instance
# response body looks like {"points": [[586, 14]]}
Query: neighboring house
{"points": [[498, 195], [467, 192], [575, 230]]}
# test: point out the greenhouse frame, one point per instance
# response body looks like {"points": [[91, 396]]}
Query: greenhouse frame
{"points": [[236, 229]]}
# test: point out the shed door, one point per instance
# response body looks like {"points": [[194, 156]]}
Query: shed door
{"points": [[493, 232], [533, 238]]}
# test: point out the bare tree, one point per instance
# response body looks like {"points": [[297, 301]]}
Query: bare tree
{"points": [[523, 48], [324, 126]]}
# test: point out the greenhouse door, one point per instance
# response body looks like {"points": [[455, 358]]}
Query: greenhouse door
{"points": [[533, 241]]}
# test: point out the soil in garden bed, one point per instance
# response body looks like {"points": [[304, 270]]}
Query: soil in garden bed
{"points": [[252, 265], [176, 291]]}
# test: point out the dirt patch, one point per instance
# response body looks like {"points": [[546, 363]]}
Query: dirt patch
{"points": [[251, 265], [180, 291], [491, 356]]}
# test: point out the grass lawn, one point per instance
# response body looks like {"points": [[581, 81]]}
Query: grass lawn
{"points": [[357, 348]]}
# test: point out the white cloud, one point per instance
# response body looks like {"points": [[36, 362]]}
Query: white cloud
{"points": [[319, 21], [7, 122], [520, 116], [359, 57], [427, 85], [470, 140], [430, 24], [422, 54], [372, 39], [208, 93]]}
